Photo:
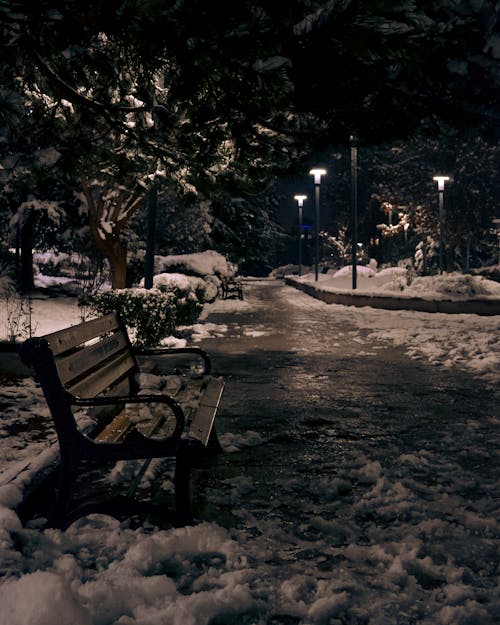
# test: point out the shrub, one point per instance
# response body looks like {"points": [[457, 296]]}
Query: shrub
{"points": [[150, 314], [187, 306]]}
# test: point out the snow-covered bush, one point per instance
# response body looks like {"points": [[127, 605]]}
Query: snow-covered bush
{"points": [[153, 314], [210, 266], [286, 270], [203, 289], [456, 285], [189, 297], [208, 263], [150, 314], [54, 263]]}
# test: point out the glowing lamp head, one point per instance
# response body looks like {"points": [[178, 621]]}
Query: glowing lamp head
{"points": [[300, 199], [317, 173], [441, 180]]}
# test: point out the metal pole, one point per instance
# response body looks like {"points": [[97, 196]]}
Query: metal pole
{"points": [[441, 244], [317, 173], [300, 239], [316, 197], [151, 235], [354, 198]]}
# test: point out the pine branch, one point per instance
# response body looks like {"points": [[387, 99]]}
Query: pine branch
{"points": [[72, 93]]}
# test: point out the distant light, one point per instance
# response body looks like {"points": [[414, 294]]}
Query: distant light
{"points": [[317, 173], [441, 180], [300, 199]]}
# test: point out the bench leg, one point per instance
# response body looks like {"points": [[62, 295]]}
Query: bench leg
{"points": [[191, 454], [182, 491], [68, 470]]}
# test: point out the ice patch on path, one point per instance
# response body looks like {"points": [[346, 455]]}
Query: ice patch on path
{"points": [[203, 331], [234, 442]]}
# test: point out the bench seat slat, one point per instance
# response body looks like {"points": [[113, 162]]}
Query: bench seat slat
{"points": [[116, 430], [212, 392], [203, 418]]}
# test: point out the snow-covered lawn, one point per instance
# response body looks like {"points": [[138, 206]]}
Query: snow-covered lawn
{"points": [[101, 572], [399, 282]]}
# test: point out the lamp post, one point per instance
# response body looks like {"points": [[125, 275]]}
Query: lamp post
{"points": [[440, 182], [354, 202], [300, 201], [317, 173]]}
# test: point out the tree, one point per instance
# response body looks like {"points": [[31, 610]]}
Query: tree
{"points": [[400, 175], [225, 98], [129, 100], [380, 68]]}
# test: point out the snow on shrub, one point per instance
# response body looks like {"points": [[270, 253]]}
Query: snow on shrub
{"points": [[153, 314], [202, 289], [150, 314], [361, 270], [208, 263], [59, 263], [453, 284]]}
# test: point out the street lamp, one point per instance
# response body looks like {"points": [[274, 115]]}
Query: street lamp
{"points": [[354, 207], [440, 182], [300, 200], [317, 173]]}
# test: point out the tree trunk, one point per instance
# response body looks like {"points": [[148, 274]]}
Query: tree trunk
{"points": [[118, 260], [116, 252]]}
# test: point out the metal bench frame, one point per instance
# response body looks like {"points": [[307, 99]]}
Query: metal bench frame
{"points": [[93, 365], [231, 288]]}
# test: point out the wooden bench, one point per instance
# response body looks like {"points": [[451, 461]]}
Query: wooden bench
{"points": [[93, 367], [231, 288]]}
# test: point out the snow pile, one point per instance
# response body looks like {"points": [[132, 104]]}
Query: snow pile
{"points": [[100, 573], [456, 286], [187, 283], [208, 263]]}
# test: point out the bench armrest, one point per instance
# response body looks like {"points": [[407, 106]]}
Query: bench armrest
{"points": [[169, 351], [137, 399]]}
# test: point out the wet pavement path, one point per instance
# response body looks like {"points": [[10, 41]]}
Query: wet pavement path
{"points": [[306, 380]]}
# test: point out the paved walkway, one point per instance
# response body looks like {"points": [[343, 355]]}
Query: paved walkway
{"points": [[311, 385]]}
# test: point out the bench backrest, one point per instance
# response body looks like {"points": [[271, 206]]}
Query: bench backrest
{"points": [[86, 360], [94, 357]]}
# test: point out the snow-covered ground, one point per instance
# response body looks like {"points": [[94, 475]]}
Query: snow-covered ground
{"points": [[101, 572], [400, 282]]}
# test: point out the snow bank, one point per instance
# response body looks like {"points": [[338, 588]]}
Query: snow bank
{"points": [[202, 264], [206, 286], [454, 286]]}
